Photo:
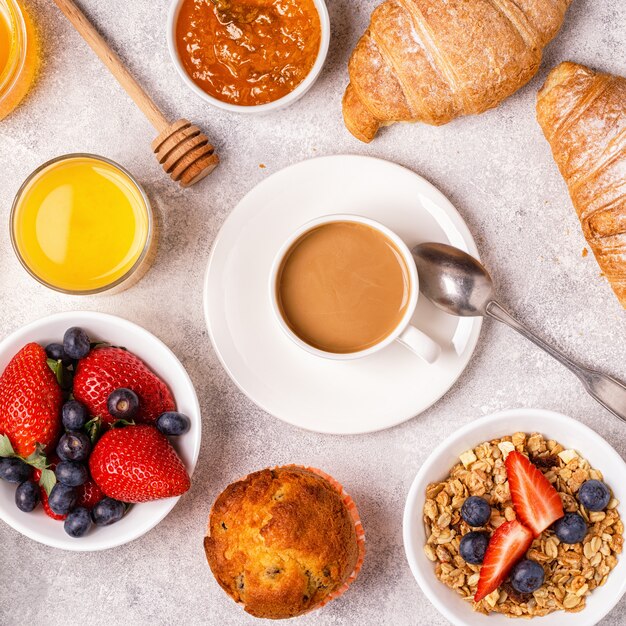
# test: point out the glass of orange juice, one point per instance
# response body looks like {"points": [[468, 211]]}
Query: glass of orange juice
{"points": [[81, 224], [19, 55]]}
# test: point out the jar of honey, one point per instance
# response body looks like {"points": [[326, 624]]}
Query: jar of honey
{"points": [[19, 55], [81, 224]]}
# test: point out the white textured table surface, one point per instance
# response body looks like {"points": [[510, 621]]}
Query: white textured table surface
{"points": [[495, 168]]}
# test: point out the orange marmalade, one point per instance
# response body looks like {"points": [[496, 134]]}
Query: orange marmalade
{"points": [[248, 52]]}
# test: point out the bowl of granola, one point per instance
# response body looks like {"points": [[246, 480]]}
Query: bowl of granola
{"points": [[518, 515]]}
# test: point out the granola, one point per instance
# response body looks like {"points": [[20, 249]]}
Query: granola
{"points": [[572, 571]]}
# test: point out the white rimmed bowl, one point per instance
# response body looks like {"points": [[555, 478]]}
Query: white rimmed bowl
{"points": [[141, 517], [567, 431], [281, 103]]}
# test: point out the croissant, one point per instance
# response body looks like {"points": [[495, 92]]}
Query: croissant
{"points": [[583, 115], [434, 60]]}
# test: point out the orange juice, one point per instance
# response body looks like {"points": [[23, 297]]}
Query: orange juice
{"points": [[81, 224], [19, 55]]}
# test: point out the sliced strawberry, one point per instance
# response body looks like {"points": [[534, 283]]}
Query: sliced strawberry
{"points": [[507, 546], [536, 501]]}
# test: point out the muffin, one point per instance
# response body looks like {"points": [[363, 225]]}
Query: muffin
{"points": [[284, 541]]}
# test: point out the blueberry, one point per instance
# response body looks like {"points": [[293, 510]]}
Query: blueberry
{"points": [[473, 547], [476, 511], [78, 522], [15, 470], [571, 528], [594, 495], [173, 423], [71, 473], [74, 446], [123, 403], [56, 352], [108, 511], [27, 496], [62, 499], [527, 576], [76, 343], [75, 415]]}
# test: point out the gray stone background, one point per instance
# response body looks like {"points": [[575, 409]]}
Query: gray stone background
{"points": [[496, 169]]}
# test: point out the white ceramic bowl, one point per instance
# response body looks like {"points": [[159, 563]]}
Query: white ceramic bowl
{"points": [[281, 103], [565, 430], [141, 517]]}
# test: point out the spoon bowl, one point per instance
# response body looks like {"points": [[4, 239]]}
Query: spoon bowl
{"points": [[453, 280]]}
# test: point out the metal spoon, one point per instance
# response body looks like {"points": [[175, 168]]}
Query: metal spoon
{"points": [[458, 284]]}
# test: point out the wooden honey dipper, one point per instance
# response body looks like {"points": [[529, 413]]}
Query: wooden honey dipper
{"points": [[182, 149]]}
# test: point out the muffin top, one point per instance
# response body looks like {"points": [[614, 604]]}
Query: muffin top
{"points": [[279, 541]]}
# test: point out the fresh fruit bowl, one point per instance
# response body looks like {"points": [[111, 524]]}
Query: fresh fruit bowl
{"points": [[565, 430], [160, 359]]}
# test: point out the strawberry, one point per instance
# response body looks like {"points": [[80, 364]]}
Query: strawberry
{"points": [[106, 369], [137, 464], [507, 546], [89, 494], [30, 401], [536, 502]]}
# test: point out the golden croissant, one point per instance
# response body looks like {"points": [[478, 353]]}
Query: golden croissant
{"points": [[434, 60], [583, 115]]}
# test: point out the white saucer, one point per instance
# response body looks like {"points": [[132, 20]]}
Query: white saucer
{"points": [[346, 397]]}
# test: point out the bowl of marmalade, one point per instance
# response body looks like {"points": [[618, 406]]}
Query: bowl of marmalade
{"points": [[249, 56], [81, 225]]}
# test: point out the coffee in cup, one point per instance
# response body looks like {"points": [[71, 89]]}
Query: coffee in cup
{"points": [[345, 286]]}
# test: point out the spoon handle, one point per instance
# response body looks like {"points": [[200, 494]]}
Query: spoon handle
{"points": [[608, 391]]}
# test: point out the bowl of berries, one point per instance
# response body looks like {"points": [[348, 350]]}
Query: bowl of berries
{"points": [[99, 431], [518, 515]]}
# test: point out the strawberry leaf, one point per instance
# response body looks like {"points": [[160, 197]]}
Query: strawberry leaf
{"points": [[120, 423], [38, 458], [47, 480], [63, 375], [57, 368], [6, 449], [93, 428]]}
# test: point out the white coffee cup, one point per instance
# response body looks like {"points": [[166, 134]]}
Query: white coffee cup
{"points": [[408, 335]]}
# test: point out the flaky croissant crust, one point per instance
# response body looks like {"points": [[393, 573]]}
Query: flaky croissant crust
{"points": [[583, 116], [434, 60]]}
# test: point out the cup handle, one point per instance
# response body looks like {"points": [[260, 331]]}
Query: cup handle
{"points": [[421, 344]]}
